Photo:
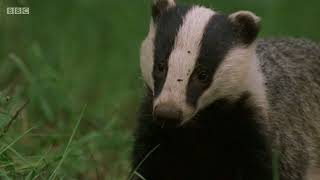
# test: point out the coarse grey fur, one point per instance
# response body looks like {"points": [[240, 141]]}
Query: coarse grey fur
{"points": [[291, 68]]}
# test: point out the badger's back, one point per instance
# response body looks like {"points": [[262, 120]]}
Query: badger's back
{"points": [[291, 69]]}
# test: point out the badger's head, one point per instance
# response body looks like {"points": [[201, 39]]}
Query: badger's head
{"points": [[194, 56]]}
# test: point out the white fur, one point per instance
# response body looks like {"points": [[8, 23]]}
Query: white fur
{"points": [[239, 72], [147, 50], [181, 63], [146, 56]]}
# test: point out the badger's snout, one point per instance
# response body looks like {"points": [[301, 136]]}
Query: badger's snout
{"points": [[168, 114]]}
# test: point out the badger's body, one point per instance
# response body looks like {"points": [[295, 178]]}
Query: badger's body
{"points": [[230, 107], [291, 68]]}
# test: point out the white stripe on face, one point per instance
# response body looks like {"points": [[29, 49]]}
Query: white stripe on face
{"points": [[239, 72], [147, 56], [183, 58]]}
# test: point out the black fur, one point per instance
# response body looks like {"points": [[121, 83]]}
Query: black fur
{"points": [[158, 8], [246, 28], [167, 28], [223, 142]]}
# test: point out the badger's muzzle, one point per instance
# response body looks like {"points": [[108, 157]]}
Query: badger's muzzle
{"points": [[168, 115]]}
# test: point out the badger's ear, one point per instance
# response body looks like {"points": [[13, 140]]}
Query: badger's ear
{"points": [[247, 25], [159, 6]]}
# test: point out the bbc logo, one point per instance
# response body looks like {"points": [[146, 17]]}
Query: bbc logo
{"points": [[18, 10]]}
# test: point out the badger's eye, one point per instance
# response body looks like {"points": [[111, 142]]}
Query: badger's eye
{"points": [[203, 76]]}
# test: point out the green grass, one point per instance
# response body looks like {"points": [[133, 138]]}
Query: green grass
{"points": [[54, 174], [66, 54]]}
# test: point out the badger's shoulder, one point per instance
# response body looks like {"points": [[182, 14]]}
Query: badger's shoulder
{"points": [[289, 52], [295, 61], [291, 57], [288, 43], [291, 68]]}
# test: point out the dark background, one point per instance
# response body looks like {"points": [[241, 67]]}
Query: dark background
{"points": [[75, 57]]}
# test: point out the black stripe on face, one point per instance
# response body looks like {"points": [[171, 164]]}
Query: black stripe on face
{"points": [[168, 26], [218, 39]]}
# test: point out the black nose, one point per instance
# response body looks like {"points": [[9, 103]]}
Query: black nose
{"points": [[168, 113]]}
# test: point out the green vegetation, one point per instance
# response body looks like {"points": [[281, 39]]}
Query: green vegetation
{"points": [[67, 55]]}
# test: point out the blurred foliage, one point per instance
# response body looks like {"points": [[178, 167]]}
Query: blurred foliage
{"points": [[69, 54]]}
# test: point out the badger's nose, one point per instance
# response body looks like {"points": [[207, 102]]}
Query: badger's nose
{"points": [[168, 113]]}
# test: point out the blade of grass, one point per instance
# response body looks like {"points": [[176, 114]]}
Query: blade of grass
{"points": [[16, 140], [139, 175], [21, 65], [141, 162], [43, 157], [4, 175], [14, 117], [29, 176], [66, 151], [18, 155], [6, 165]]}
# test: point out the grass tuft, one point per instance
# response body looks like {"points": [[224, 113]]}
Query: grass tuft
{"points": [[15, 141], [67, 150]]}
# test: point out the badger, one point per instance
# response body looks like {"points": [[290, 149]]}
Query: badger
{"points": [[222, 104]]}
